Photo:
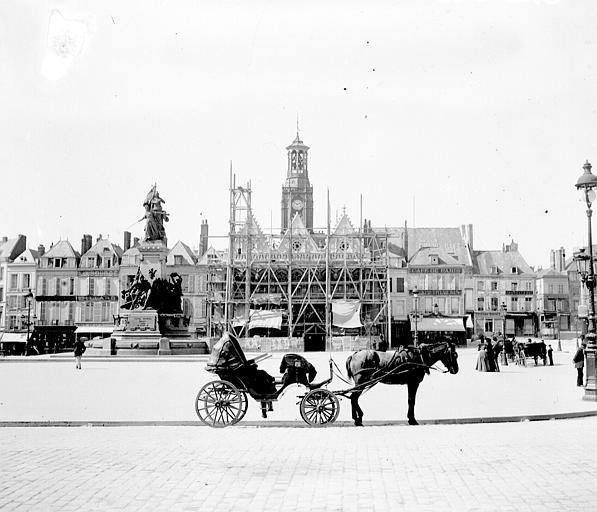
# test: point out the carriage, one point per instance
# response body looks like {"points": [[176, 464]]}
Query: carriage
{"points": [[536, 350], [224, 402]]}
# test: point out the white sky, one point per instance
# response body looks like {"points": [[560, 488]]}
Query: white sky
{"points": [[482, 111]]}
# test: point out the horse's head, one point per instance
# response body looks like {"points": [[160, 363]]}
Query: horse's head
{"points": [[449, 357]]}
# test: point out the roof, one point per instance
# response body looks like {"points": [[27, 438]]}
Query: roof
{"points": [[298, 232], [483, 261], [551, 272], [12, 247], [104, 243], [182, 249], [447, 240], [423, 257], [27, 257], [63, 249]]}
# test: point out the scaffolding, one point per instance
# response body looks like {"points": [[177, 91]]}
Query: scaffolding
{"points": [[300, 274]]}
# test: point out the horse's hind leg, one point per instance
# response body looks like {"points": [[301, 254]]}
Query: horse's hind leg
{"points": [[412, 395], [357, 412]]}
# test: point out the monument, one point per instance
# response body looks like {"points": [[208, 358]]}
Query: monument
{"points": [[151, 308]]}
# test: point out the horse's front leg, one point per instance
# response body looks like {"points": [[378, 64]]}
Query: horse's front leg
{"points": [[412, 395], [357, 413]]}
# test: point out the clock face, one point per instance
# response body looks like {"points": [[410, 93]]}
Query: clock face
{"points": [[297, 204]]}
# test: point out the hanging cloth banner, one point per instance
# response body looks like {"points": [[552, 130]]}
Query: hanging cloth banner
{"points": [[269, 319], [346, 313]]}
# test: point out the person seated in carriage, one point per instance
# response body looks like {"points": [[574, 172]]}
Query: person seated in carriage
{"points": [[296, 369], [228, 360]]}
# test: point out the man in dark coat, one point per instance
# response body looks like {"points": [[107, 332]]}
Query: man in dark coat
{"points": [[79, 349], [490, 355], [579, 364], [550, 355]]}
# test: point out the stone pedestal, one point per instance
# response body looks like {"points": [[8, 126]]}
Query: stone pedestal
{"points": [[137, 329], [164, 347], [153, 256]]}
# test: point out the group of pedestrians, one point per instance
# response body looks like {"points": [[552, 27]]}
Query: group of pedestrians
{"points": [[487, 360]]}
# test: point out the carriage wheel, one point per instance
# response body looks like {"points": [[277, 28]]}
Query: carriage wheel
{"points": [[319, 407], [219, 404], [244, 406]]}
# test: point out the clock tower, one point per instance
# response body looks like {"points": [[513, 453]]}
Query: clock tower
{"points": [[297, 191]]}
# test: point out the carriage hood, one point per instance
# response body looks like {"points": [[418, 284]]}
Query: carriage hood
{"points": [[226, 354]]}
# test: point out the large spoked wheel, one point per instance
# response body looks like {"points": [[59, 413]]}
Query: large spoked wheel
{"points": [[220, 404], [319, 407], [244, 406]]}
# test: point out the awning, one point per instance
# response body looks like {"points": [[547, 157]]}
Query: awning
{"points": [[13, 337], [346, 313], [266, 318], [93, 329], [439, 324], [469, 322]]}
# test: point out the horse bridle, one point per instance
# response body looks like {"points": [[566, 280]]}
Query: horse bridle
{"points": [[436, 348]]}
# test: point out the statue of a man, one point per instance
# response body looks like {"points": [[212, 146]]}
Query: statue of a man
{"points": [[155, 216]]}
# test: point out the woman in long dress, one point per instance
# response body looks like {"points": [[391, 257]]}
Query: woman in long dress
{"points": [[482, 361]]}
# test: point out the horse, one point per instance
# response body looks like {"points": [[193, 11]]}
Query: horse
{"points": [[405, 366]]}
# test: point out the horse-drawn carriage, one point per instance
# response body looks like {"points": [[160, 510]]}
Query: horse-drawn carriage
{"points": [[224, 402], [536, 350]]}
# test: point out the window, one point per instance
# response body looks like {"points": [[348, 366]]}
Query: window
{"points": [[108, 286], [514, 304], [528, 303], [488, 325], [185, 283], [529, 286], [400, 285], [26, 281], [551, 288], [455, 305], [91, 286], [493, 269], [178, 260], [43, 312], [480, 303], [514, 286], [494, 303], [494, 286], [105, 311], [560, 289], [481, 285], [58, 262], [13, 281], [514, 270], [71, 286], [43, 286], [91, 262]]}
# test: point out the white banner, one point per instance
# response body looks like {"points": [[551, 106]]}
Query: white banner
{"points": [[346, 313]]}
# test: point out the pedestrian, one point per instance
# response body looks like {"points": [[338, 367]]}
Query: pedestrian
{"points": [[550, 355], [490, 357], [579, 364], [79, 350], [498, 346], [482, 360]]}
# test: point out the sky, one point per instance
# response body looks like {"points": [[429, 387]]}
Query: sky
{"points": [[437, 113]]}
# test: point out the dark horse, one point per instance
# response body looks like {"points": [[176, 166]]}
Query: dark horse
{"points": [[405, 366]]}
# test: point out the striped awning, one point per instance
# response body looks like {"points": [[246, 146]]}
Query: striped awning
{"points": [[439, 324], [13, 337]]}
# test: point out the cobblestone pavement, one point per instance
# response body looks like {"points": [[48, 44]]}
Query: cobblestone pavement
{"points": [[515, 466]]}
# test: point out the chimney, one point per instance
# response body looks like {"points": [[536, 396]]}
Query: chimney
{"points": [[127, 240], [85, 244], [41, 250], [406, 241], [203, 238], [558, 259], [99, 237], [5, 239], [552, 259], [135, 241]]}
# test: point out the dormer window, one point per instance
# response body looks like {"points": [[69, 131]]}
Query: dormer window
{"points": [[433, 259], [178, 260], [494, 269], [514, 270]]}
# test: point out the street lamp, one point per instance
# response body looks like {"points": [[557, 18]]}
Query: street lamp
{"points": [[558, 320], [29, 299], [415, 293], [504, 308], [586, 183]]}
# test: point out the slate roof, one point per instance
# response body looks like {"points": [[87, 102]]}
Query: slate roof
{"points": [[101, 244], [62, 249], [7, 248], [446, 240], [503, 260]]}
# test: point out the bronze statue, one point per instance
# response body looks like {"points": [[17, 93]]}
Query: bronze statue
{"points": [[155, 216], [165, 296]]}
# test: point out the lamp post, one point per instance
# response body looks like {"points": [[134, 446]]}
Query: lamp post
{"points": [[558, 320], [415, 293], [504, 308], [28, 298], [586, 183]]}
